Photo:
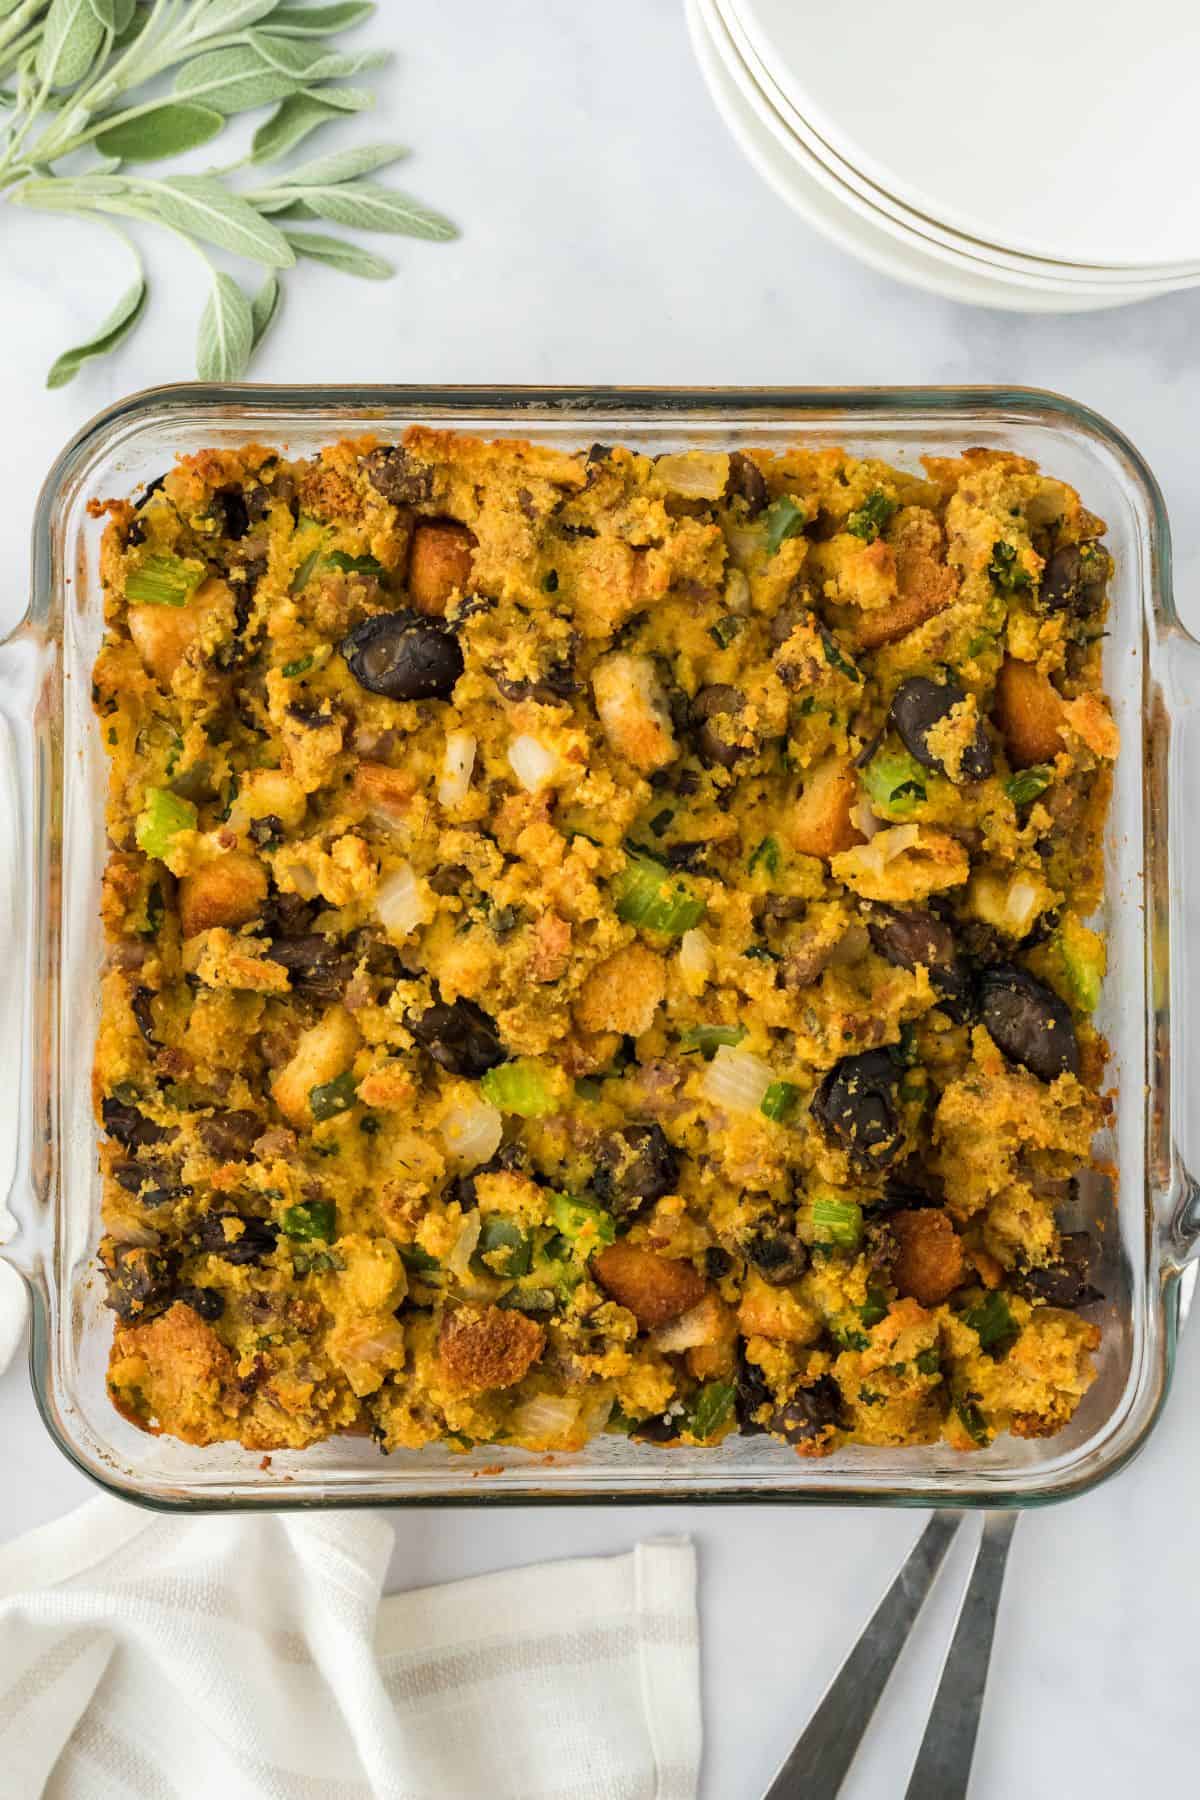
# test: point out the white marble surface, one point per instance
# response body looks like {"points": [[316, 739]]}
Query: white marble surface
{"points": [[612, 233]]}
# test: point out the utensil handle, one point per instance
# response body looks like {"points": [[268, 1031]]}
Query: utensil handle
{"points": [[817, 1765], [943, 1766]]}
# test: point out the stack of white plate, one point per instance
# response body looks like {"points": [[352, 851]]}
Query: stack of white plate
{"points": [[1039, 156]]}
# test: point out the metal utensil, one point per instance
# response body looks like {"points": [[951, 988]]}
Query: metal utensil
{"points": [[817, 1765], [943, 1766]]}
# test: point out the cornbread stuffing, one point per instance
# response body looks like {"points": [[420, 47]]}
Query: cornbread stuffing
{"points": [[597, 943]]}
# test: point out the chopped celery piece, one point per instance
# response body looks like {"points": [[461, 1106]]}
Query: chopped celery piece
{"points": [[779, 1099], [163, 581], [709, 1038], [1084, 962], [895, 783], [766, 856], [586, 1225], [519, 1087], [871, 517], [785, 519], [503, 1248], [710, 1408], [648, 894], [333, 1097], [997, 1328], [310, 1219], [161, 820], [837, 1222], [1027, 784]]}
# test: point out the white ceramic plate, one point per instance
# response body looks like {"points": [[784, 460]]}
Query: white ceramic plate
{"points": [[1063, 129], [903, 261], [855, 189]]}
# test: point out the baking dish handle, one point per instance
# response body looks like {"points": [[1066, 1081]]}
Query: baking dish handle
{"points": [[21, 658], [1179, 845]]}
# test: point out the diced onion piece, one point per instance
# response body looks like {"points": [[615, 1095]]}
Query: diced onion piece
{"points": [[1008, 903], [737, 1079], [546, 1422], [737, 593], [594, 1412], [129, 1231], [695, 959], [472, 1133], [694, 474], [459, 1260], [864, 820], [885, 846], [458, 761], [398, 902], [533, 765]]}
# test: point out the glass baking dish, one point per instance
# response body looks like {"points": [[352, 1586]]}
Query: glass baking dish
{"points": [[52, 769]]}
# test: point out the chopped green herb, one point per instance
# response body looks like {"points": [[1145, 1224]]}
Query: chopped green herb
{"points": [[354, 565], [710, 1408], [332, 1097], [1006, 572], [589, 1088], [709, 1038], [369, 1123], [301, 666], [726, 629], [550, 582], [310, 1219], [648, 894], [619, 1422], [806, 707], [869, 1397], [973, 1421], [419, 1261], [928, 1362], [1027, 784], [661, 820], [837, 658], [519, 1087], [586, 1225], [114, 739], [905, 1051], [785, 519], [874, 1307], [161, 820], [847, 1337], [503, 1248], [779, 1100], [872, 517], [997, 1328], [765, 856], [318, 1262], [163, 581], [156, 910], [760, 953], [304, 573]]}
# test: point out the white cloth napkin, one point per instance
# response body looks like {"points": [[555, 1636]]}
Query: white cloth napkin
{"points": [[153, 1658]]}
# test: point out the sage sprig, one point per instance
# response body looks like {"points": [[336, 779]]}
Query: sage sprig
{"points": [[74, 81]]}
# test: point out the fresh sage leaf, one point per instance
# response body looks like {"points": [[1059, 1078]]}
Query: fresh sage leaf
{"points": [[115, 329], [199, 205], [264, 309], [226, 332], [235, 80], [309, 62], [369, 208], [337, 253], [71, 36], [343, 165], [319, 21], [297, 116], [344, 99], [217, 18], [114, 15], [166, 131]]}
